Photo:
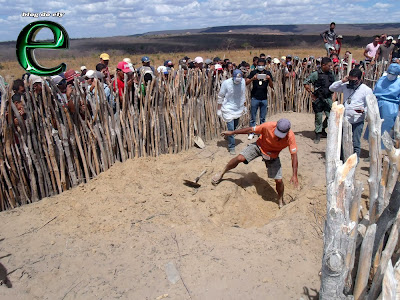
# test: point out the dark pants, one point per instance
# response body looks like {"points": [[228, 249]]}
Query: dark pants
{"points": [[357, 132], [255, 104], [231, 127], [321, 107]]}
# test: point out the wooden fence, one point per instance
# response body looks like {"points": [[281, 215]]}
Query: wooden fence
{"points": [[358, 260], [51, 149]]}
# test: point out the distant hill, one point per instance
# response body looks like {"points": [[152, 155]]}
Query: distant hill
{"points": [[215, 38], [305, 29]]}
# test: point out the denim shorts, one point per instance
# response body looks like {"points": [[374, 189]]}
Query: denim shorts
{"points": [[274, 167]]}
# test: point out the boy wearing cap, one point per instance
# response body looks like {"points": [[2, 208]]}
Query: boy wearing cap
{"points": [[274, 137], [145, 65], [231, 104], [105, 59]]}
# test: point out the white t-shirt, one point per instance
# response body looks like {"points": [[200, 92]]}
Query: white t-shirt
{"points": [[371, 50], [232, 97]]}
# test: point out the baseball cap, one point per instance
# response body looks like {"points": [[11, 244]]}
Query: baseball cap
{"points": [[296, 58], [389, 37], [93, 73], [282, 128], [288, 56], [105, 56], [83, 68], [56, 79], [198, 60], [162, 69], [283, 57], [124, 67], [216, 59], [340, 36], [35, 79], [127, 60], [208, 61], [168, 63], [237, 73], [394, 42], [145, 59], [276, 61], [70, 75], [218, 67]]}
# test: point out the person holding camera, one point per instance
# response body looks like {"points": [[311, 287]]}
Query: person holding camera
{"points": [[261, 79], [322, 79]]}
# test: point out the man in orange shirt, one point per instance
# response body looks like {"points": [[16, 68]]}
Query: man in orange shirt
{"points": [[274, 137]]}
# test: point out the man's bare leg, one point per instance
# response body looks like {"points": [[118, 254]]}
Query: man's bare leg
{"points": [[280, 188], [231, 165]]}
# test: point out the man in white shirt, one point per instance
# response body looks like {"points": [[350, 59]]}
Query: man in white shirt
{"points": [[371, 49], [231, 103], [355, 102]]}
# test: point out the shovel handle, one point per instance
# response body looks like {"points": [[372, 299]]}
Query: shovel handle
{"points": [[198, 178]]}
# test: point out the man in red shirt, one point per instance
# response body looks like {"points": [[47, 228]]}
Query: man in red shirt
{"points": [[274, 137], [122, 68]]}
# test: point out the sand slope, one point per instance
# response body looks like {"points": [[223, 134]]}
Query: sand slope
{"points": [[112, 238]]}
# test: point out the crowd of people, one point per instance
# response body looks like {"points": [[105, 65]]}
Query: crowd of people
{"points": [[325, 78]]}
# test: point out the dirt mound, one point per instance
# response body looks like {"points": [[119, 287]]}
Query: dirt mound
{"points": [[113, 237]]}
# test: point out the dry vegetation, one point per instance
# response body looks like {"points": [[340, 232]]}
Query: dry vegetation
{"points": [[11, 69]]}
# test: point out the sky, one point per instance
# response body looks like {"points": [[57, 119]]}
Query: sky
{"points": [[127, 17]]}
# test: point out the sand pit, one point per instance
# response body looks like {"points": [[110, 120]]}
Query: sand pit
{"points": [[113, 237]]}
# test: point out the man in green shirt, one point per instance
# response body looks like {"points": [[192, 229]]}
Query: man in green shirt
{"points": [[322, 96]]}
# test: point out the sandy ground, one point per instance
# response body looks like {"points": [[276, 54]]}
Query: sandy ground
{"points": [[118, 236]]}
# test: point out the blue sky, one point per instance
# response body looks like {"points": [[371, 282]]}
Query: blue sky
{"points": [[126, 17]]}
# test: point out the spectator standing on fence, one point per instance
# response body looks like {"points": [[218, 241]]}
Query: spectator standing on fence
{"points": [[355, 102], [259, 93], [322, 96], [329, 37], [274, 137], [371, 49], [385, 50], [231, 104]]}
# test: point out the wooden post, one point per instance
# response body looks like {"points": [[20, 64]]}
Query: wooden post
{"points": [[360, 286], [374, 124], [338, 227]]}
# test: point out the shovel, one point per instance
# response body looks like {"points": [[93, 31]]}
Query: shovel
{"points": [[195, 183]]}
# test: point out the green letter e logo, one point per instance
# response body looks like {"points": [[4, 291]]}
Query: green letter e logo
{"points": [[26, 45]]}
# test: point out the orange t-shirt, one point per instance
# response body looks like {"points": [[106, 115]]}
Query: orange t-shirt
{"points": [[270, 144]]}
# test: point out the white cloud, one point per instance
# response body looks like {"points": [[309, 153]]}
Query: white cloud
{"points": [[381, 5], [137, 16]]}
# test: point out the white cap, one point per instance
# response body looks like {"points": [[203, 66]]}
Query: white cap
{"points": [[127, 60], [389, 38], [83, 68], [276, 61], [162, 69], [198, 60], [92, 74], [34, 79], [56, 79]]}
